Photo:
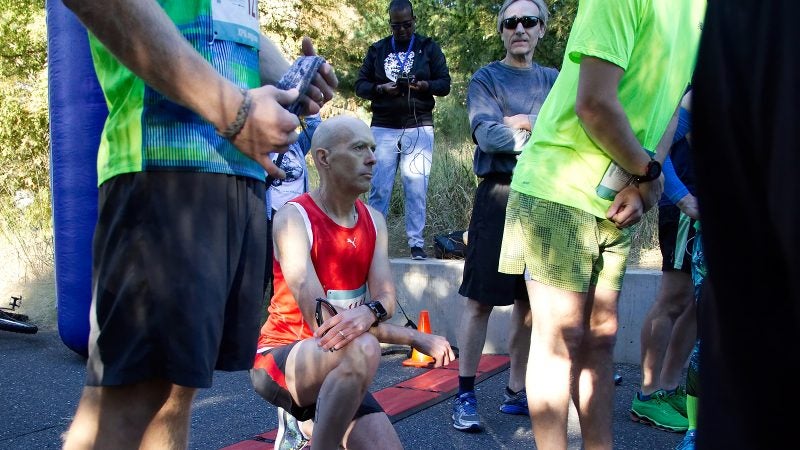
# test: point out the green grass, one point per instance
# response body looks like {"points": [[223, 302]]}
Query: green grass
{"points": [[451, 188]]}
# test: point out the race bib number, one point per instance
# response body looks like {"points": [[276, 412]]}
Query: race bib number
{"points": [[347, 299], [236, 21]]}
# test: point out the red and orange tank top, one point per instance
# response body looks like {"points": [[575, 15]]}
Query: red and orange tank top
{"points": [[341, 256]]}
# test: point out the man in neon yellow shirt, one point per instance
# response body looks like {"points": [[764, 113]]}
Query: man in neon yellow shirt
{"points": [[627, 63]]}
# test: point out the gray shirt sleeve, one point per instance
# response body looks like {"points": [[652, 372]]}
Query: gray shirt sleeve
{"points": [[494, 137], [497, 91]]}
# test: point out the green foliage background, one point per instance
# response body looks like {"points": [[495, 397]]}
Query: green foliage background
{"points": [[25, 217], [342, 31]]}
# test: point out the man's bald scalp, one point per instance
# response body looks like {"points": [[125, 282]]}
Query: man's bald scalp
{"points": [[334, 131]]}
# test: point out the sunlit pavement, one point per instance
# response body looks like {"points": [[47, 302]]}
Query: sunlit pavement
{"points": [[41, 380]]}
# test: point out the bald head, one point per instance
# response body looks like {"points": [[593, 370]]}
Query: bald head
{"points": [[343, 150], [336, 131]]}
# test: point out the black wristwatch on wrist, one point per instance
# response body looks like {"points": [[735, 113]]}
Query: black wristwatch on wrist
{"points": [[652, 172], [379, 311]]}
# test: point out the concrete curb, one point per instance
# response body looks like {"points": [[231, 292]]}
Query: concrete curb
{"points": [[433, 285]]}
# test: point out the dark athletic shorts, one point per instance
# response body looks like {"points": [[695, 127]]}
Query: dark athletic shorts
{"points": [[268, 380], [674, 243], [178, 277], [482, 282]]}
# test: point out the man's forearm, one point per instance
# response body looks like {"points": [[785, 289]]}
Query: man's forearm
{"points": [[388, 333], [608, 126], [144, 39], [495, 137], [272, 64], [439, 87], [603, 118]]}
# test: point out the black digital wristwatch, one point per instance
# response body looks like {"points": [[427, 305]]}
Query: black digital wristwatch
{"points": [[377, 308], [652, 172]]}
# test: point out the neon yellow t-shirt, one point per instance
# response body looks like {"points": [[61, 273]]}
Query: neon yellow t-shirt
{"points": [[655, 43]]}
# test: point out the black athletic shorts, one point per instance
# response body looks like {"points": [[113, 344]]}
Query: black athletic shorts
{"points": [[673, 242], [178, 277], [268, 380], [482, 282]]}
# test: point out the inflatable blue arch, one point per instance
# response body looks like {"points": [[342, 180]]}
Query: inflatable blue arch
{"points": [[77, 113]]}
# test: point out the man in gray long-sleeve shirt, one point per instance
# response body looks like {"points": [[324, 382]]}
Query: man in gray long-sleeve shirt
{"points": [[503, 100]]}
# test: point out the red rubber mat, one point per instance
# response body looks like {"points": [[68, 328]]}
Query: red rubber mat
{"points": [[406, 398]]}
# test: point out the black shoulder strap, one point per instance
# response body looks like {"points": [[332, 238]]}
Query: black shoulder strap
{"points": [[278, 161]]}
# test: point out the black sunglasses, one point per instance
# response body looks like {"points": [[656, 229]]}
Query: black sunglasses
{"points": [[321, 302], [398, 25], [526, 21]]}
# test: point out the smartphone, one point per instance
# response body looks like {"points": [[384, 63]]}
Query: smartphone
{"points": [[403, 81], [300, 75]]}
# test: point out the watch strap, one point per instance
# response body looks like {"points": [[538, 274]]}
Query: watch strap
{"points": [[380, 314], [652, 172]]}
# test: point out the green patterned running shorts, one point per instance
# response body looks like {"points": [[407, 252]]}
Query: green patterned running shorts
{"points": [[562, 246]]}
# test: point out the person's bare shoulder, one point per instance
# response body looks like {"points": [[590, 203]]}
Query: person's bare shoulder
{"points": [[287, 221], [287, 213], [377, 217]]}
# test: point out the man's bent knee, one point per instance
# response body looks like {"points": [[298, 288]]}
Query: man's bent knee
{"points": [[362, 355]]}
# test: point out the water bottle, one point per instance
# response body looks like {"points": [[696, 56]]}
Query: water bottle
{"points": [[614, 180]]}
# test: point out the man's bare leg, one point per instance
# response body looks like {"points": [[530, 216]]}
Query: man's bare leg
{"points": [[681, 343], [472, 336], [372, 431], [660, 324], [169, 429], [594, 370], [556, 334], [117, 416], [336, 381], [519, 344]]}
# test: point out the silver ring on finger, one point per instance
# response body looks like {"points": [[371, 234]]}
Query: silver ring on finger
{"points": [[342, 335]]}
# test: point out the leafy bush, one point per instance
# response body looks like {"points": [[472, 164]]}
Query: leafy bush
{"points": [[25, 212]]}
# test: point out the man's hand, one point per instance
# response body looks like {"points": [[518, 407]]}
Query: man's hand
{"points": [[420, 86], [688, 205], [627, 207], [269, 126], [325, 82], [519, 122], [341, 329], [434, 346], [651, 192], [389, 89]]}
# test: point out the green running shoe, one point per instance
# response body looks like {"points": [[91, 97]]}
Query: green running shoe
{"points": [[677, 400], [290, 436], [657, 412]]}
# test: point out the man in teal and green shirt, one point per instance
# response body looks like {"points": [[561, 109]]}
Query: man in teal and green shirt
{"points": [[179, 249]]}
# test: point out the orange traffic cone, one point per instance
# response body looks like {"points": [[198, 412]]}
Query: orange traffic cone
{"points": [[419, 359]]}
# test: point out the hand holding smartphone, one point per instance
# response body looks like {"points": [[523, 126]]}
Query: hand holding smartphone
{"points": [[300, 75], [403, 81]]}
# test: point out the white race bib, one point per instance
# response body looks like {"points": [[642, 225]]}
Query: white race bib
{"points": [[347, 299], [236, 21]]}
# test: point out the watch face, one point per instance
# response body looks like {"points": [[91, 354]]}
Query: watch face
{"points": [[378, 308], [653, 170]]}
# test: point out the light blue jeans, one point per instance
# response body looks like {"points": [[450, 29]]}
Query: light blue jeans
{"points": [[412, 149]]}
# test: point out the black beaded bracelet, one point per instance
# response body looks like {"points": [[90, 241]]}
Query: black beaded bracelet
{"points": [[241, 117]]}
